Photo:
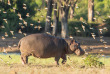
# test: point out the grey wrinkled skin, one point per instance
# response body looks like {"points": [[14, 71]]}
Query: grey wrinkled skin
{"points": [[45, 46]]}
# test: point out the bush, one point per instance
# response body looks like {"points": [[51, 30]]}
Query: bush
{"points": [[87, 32], [31, 29], [107, 32], [11, 24], [92, 61]]}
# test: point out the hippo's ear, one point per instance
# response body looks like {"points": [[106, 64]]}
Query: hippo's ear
{"points": [[72, 42]]}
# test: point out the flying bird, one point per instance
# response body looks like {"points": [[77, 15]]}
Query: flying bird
{"points": [[27, 14], [3, 38], [12, 32], [9, 2], [20, 31], [6, 34]]}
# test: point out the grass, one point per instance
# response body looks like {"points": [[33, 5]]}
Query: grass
{"points": [[5, 59], [47, 66]]}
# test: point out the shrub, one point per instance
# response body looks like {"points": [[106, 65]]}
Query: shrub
{"points": [[87, 32], [107, 32], [92, 61], [11, 23], [31, 29]]}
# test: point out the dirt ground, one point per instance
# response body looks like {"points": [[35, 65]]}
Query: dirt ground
{"points": [[50, 70], [87, 43]]}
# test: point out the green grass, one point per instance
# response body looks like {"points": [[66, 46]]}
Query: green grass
{"points": [[74, 60], [5, 59], [47, 66]]}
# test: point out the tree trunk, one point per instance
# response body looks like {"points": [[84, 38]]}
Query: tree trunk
{"points": [[71, 12], [48, 17], [64, 26], [43, 3], [64, 22], [55, 20], [90, 10], [72, 8]]}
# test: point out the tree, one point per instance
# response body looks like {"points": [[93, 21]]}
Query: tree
{"points": [[64, 9], [43, 3], [48, 16], [55, 19], [90, 10], [72, 8]]}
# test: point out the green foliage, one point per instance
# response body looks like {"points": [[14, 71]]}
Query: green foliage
{"points": [[87, 32], [12, 17], [39, 3], [107, 32], [31, 29], [81, 10], [93, 61], [41, 15], [31, 7], [101, 6], [11, 23]]}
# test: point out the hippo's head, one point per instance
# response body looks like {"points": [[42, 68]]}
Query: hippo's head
{"points": [[74, 47]]}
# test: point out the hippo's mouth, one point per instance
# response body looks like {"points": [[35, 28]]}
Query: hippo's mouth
{"points": [[79, 52]]}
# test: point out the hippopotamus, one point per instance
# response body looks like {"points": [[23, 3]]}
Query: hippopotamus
{"points": [[42, 45]]}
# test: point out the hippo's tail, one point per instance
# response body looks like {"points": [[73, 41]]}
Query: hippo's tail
{"points": [[19, 44]]}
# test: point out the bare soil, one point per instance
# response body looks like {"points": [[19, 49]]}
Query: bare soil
{"points": [[18, 69], [89, 44]]}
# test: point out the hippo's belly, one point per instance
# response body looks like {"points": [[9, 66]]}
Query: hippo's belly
{"points": [[41, 48]]}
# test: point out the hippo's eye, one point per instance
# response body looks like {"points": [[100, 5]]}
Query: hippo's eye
{"points": [[78, 44], [75, 46]]}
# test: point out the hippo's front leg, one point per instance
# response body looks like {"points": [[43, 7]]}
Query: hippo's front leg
{"points": [[24, 59], [57, 60], [64, 59]]}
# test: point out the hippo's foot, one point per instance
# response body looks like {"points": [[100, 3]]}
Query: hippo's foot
{"points": [[64, 59], [24, 59], [23, 62]]}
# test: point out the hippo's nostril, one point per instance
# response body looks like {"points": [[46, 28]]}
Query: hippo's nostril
{"points": [[83, 52]]}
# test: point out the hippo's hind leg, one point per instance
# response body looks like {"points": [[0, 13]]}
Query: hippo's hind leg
{"points": [[24, 59], [57, 60], [64, 59]]}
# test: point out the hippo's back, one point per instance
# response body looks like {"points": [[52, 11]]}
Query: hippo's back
{"points": [[42, 45]]}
